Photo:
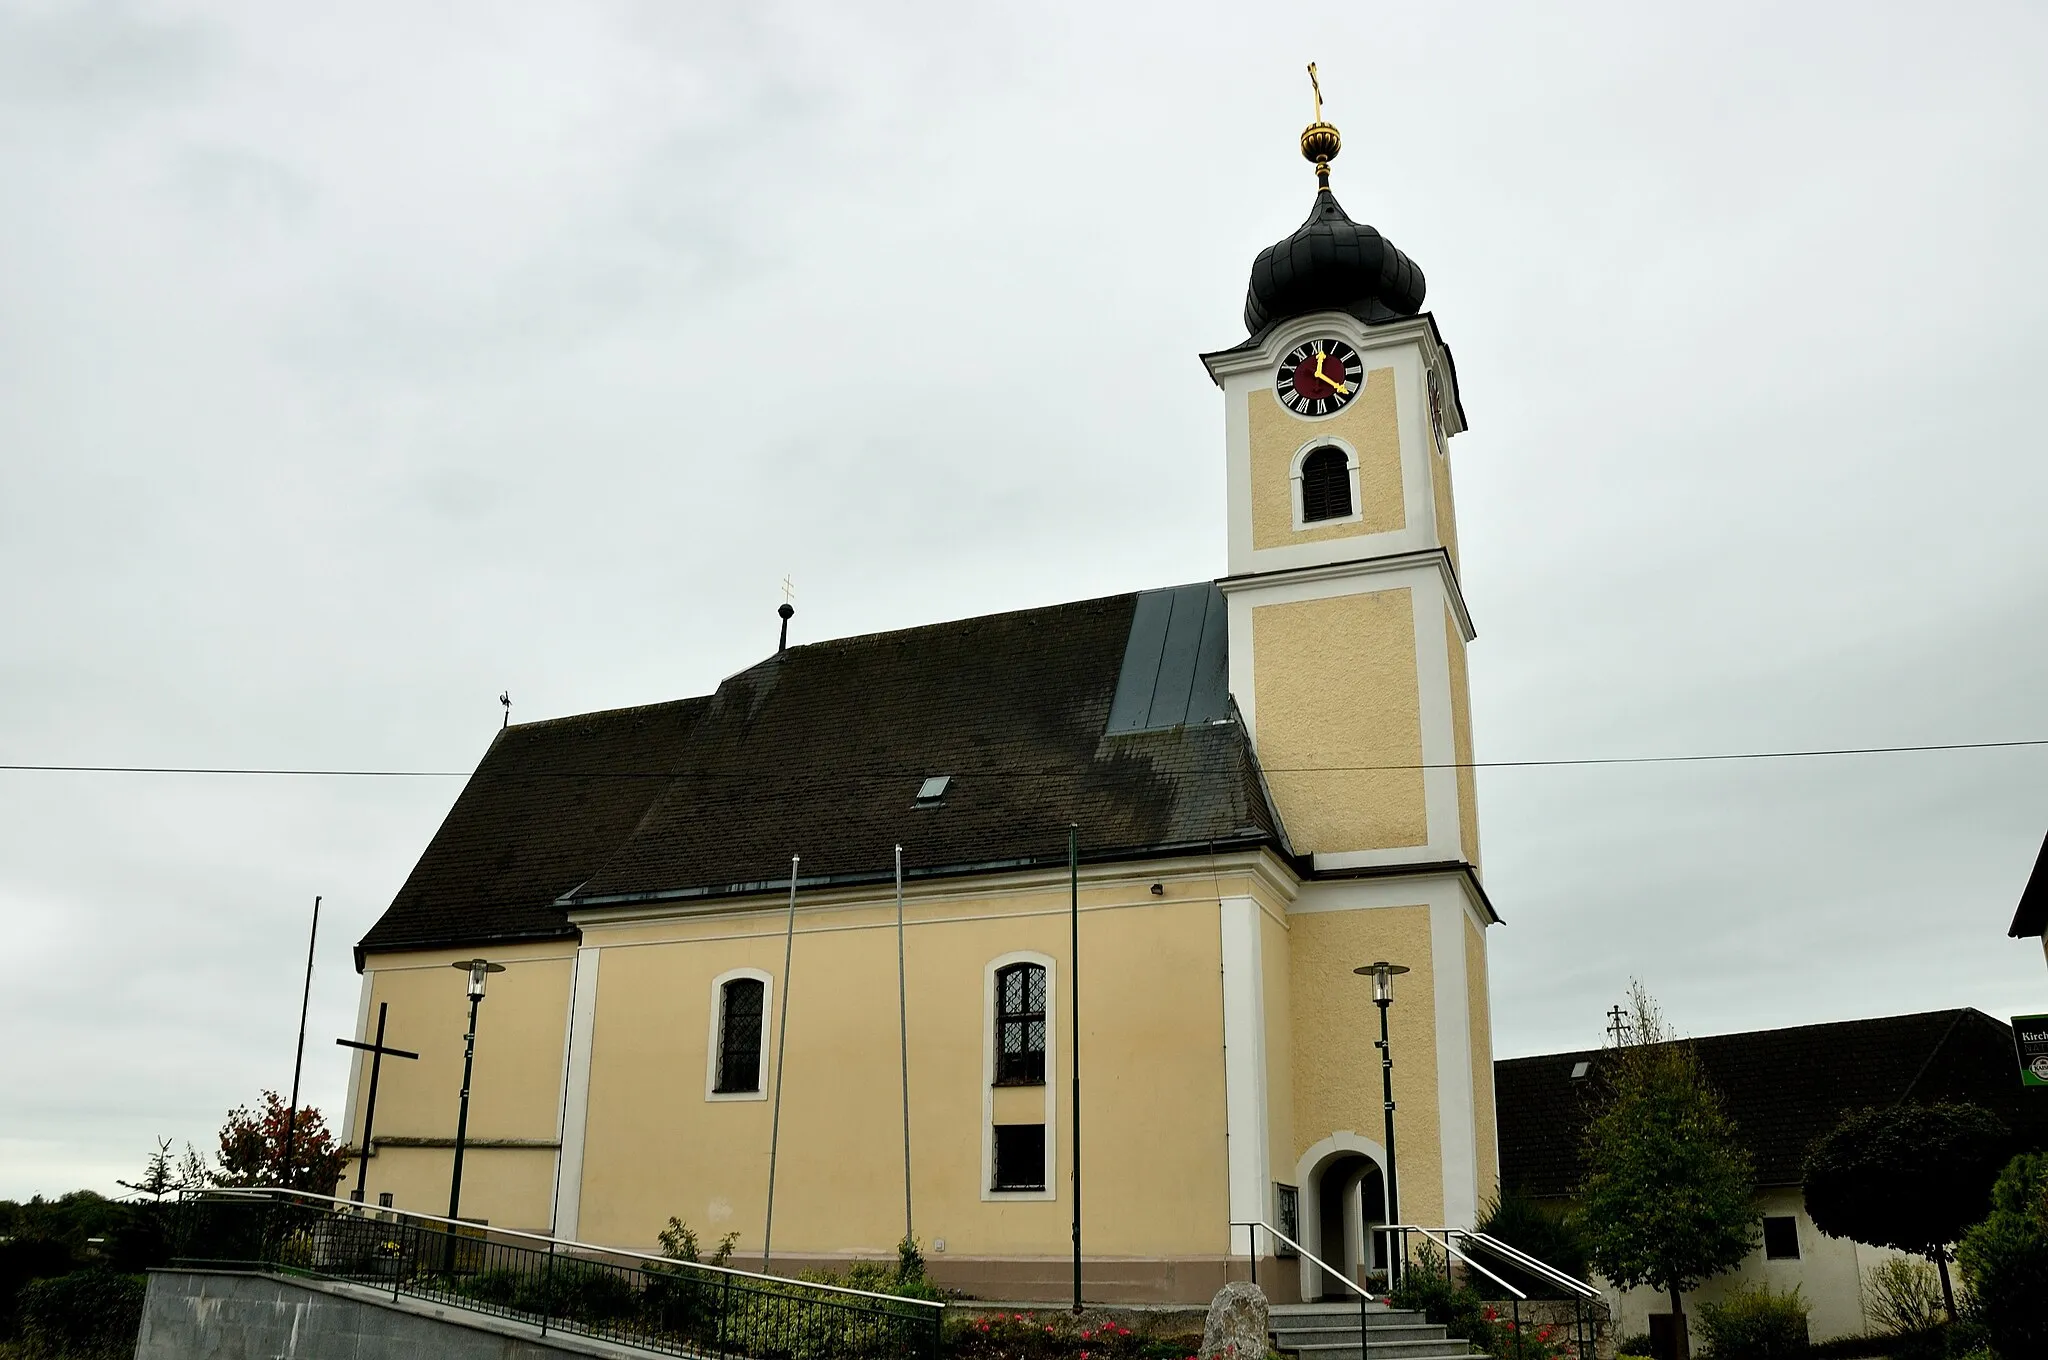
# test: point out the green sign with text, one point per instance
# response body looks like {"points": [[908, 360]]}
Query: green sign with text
{"points": [[2030, 1037]]}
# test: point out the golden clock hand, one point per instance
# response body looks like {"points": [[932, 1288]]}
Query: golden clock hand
{"points": [[1325, 379]]}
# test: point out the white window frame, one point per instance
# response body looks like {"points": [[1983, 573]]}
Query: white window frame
{"points": [[988, 1077], [760, 1091], [1351, 467]]}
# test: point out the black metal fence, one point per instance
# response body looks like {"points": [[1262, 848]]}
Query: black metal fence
{"points": [[677, 1307]]}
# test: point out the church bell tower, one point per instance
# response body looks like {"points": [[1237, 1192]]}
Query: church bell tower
{"points": [[1347, 640]]}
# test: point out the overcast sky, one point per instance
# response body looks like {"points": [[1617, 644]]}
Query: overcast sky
{"points": [[357, 363]]}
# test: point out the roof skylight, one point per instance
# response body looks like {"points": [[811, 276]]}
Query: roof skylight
{"points": [[933, 789]]}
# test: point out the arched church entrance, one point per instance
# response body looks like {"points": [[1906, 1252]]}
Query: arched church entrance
{"points": [[1343, 1199]]}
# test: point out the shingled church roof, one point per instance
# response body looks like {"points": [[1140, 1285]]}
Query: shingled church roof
{"points": [[1111, 713], [1784, 1088]]}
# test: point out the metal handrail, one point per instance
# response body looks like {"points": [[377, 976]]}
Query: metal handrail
{"points": [[1429, 1235], [1531, 1264], [274, 1193], [1306, 1255]]}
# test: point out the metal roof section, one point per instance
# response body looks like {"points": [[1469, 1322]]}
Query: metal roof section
{"points": [[1176, 668]]}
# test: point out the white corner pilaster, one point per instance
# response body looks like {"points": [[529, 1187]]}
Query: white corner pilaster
{"points": [[1244, 1060], [576, 1093], [1457, 1123]]}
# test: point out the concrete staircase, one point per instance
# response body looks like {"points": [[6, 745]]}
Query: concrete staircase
{"points": [[1329, 1331]]}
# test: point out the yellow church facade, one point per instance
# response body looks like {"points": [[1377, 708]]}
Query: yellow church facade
{"points": [[709, 965]]}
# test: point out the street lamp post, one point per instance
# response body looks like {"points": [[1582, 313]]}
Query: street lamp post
{"points": [[478, 970], [1382, 974]]}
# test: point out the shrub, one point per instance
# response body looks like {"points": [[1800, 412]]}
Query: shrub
{"points": [[2005, 1260], [1547, 1234], [1457, 1309], [1028, 1336], [1637, 1343], [23, 1261], [1902, 1295], [1755, 1322], [87, 1315]]}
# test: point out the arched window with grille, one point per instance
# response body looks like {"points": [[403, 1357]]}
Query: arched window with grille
{"points": [[742, 1008], [1325, 485], [1020, 1025]]}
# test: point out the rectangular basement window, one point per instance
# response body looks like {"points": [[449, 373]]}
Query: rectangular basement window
{"points": [[1781, 1237], [1019, 1157]]}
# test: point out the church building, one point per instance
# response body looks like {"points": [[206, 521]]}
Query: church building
{"points": [[1268, 781]]}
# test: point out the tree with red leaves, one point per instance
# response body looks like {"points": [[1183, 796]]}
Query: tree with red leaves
{"points": [[252, 1146]]}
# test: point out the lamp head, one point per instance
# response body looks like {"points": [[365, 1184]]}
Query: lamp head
{"points": [[1382, 974], [478, 970]]}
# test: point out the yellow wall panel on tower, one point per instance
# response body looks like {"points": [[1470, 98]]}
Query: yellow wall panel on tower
{"points": [[1339, 719], [1335, 1024], [1461, 741], [1369, 425]]}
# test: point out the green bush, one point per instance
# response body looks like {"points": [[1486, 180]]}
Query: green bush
{"points": [[1549, 1235], [1637, 1343], [1755, 1322], [87, 1315], [2005, 1260], [1457, 1309], [1902, 1295]]}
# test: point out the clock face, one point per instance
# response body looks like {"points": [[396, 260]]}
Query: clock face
{"points": [[1319, 377]]}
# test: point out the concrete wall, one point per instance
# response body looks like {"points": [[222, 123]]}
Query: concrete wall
{"points": [[221, 1316]]}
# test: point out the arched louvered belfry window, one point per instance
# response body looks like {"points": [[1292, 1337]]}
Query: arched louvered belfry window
{"points": [[1020, 1025], [1325, 485], [740, 1007]]}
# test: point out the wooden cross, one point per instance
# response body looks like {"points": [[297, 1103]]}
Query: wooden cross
{"points": [[376, 1052]]}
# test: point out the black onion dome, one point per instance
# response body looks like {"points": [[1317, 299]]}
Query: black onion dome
{"points": [[1332, 264]]}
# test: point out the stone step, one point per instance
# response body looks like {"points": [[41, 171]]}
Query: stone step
{"points": [[1439, 1349], [1298, 1334], [1373, 1307]]}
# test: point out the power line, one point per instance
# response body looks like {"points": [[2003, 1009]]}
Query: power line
{"points": [[1695, 758]]}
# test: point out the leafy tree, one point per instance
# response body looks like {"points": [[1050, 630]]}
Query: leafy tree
{"points": [[1910, 1177], [2005, 1259], [252, 1146], [1669, 1197]]}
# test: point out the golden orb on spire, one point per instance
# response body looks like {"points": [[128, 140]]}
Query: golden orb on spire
{"points": [[1320, 141]]}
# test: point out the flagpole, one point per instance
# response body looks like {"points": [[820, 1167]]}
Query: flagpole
{"points": [[781, 1051], [903, 1033], [291, 1118]]}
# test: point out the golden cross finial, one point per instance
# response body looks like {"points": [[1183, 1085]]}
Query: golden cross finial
{"points": [[788, 591], [1317, 86]]}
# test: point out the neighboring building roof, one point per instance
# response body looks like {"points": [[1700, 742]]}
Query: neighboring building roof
{"points": [[1784, 1088], [2031, 920], [820, 750]]}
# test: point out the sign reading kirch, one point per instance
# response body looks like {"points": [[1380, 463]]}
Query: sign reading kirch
{"points": [[2030, 1036]]}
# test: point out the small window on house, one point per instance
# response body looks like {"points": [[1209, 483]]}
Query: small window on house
{"points": [[1020, 1157], [1020, 1025], [1781, 1238], [1325, 485], [739, 1035], [1287, 1216]]}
